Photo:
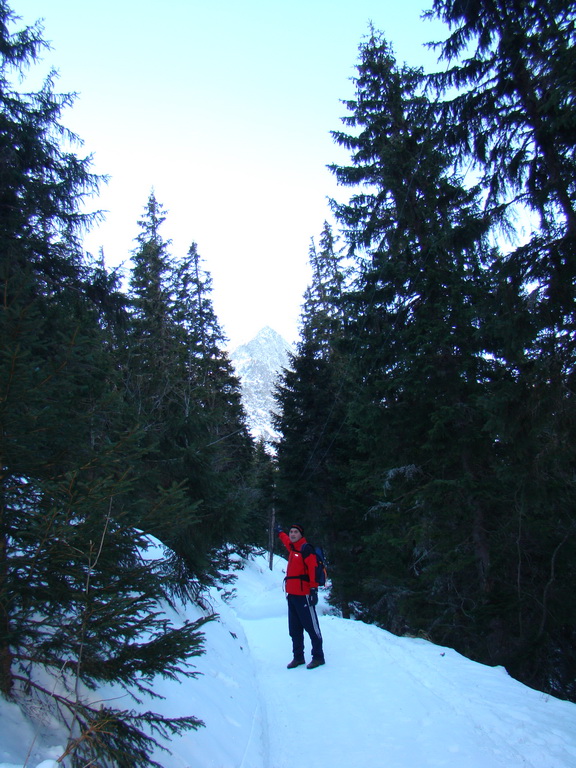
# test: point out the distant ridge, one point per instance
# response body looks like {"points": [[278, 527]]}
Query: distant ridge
{"points": [[258, 365]]}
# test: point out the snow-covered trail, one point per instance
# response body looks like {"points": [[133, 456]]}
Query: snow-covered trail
{"points": [[380, 701], [391, 702], [370, 711]]}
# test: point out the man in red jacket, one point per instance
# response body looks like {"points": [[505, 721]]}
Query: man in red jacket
{"points": [[302, 595]]}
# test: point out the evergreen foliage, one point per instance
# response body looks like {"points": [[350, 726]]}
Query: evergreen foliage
{"points": [[437, 411], [261, 520], [96, 392], [218, 467], [418, 333], [427, 416], [315, 444], [513, 118], [181, 385]]}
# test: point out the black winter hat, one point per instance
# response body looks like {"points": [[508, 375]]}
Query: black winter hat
{"points": [[299, 527]]}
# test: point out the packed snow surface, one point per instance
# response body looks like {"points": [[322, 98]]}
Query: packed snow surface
{"points": [[380, 701]]}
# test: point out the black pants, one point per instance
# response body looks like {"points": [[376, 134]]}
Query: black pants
{"points": [[302, 616]]}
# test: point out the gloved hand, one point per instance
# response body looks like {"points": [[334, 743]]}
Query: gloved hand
{"points": [[314, 597], [277, 529]]}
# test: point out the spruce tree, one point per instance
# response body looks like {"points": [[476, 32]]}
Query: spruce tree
{"points": [[417, 342], [312, 395], [322, 309], [78, 604], [85, 608], [153, 377], [218, 449], [513, 109], [151, 332], [40, 271], [461, 354], [512, 116]]}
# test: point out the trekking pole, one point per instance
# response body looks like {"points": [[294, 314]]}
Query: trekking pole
{"points": [[271, 537]]}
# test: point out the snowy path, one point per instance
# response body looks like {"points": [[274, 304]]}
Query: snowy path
{"points": [[390, 702], [379, 702]]}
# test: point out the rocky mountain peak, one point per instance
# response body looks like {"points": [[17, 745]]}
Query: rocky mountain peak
{"points": [[258, 364]]}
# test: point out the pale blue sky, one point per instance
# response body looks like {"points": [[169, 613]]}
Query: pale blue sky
{"points": [[225, 108]]}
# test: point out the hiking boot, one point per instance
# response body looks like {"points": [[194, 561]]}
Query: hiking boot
{"points": [[315, 663], [295, 663]]}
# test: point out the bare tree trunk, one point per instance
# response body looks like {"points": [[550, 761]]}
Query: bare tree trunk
{"points": [[481, 547], [479, 536], [549, 584]]}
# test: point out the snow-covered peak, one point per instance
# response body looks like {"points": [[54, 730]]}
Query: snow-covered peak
{"points": [[266, 345], [258, 363]]}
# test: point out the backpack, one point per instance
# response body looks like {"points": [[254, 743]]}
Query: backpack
{"points": [[321, 573]]}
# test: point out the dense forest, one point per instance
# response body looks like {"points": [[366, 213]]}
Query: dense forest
{"points": [[427, 420], [120, 418], [429, 417]]}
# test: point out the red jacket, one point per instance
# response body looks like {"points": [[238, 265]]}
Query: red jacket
{"points": [[301, 572]]}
